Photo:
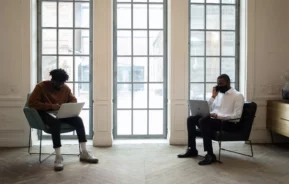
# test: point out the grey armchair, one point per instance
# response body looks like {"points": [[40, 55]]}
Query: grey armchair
{"points": [[36, 122]]}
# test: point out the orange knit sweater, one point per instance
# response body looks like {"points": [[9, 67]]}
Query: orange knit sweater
{"points": [[44, 95]]}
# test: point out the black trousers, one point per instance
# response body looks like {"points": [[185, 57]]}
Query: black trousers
{"points": [[55, 125], [207, 125]]}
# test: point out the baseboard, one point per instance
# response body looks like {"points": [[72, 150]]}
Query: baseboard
{"points": [[178, 141], [14, 142], [102, 141]]}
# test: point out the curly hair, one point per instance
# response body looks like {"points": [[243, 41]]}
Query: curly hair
{"points": [[59, 75]]}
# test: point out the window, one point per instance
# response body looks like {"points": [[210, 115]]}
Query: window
{"points": [[214, 45], [140, 62], [64, 30]]}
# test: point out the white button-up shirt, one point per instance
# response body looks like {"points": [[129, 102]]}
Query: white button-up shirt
{"points": [[227, 105]]}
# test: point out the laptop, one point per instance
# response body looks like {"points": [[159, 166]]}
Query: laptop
{"points": [[67, 110], [199, 108]]}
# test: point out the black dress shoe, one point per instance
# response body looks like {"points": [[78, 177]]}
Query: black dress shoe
{"points": [[209, 159], [188, 154]]}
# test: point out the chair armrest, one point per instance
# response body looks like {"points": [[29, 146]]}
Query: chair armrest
{"points": [[33, 118]]}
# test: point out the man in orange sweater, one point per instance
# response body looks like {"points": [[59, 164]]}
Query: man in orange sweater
{"points": [[48, 96]]}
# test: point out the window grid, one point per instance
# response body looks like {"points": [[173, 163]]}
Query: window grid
{"points": [[221, 4], [57, 55], [132, 56]]}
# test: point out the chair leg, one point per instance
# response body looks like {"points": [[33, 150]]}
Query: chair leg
{"points": [[40, 146], [272, 138], [29, 144], [251, 148], [220, 151], [242, 153]]}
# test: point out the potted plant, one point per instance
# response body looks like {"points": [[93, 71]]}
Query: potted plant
{"points": [[285, 89]]}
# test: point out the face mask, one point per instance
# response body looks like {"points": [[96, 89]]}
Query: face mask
{"points": [[222, 89]]}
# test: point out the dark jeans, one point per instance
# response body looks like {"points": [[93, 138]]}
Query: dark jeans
{"points": [[207, 126], [55, 125]]}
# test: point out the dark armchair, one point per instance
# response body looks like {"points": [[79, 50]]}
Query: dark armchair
{"points": [[246, 122]]}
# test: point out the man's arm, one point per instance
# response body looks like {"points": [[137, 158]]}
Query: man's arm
{"points": [[238, 109], [71, 98], [35, 100]]}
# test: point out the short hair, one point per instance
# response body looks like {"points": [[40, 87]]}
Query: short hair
{"points": [[226, 77], [59, 75]]}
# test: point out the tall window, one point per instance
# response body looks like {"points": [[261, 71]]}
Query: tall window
{"points": [[64, 30], [140, 61], [214, 40]]}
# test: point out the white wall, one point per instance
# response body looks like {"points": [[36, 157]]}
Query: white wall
{"points": [[14, 71], [265, 58]]}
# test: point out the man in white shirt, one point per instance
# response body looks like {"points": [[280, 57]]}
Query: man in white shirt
{"points": [[226, 103]]}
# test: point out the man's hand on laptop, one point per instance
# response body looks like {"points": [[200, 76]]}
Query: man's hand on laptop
{"points": [[213, 115], [55, 106]]}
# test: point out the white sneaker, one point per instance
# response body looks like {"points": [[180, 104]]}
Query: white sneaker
{"points": [[58, 163], [87, 157]]}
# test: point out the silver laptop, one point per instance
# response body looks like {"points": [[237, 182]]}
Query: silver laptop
{"points": [[199, 108], [68, 110]]}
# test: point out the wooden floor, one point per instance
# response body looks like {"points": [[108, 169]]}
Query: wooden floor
{"points": [[148, 163]]}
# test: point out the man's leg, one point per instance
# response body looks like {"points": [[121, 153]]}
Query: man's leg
{"points": [[54, 128], [80, 130], [208, 125], [192, 122]]}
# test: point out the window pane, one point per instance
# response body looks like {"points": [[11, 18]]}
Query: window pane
{"points": [[228, 43], [156, 122], [49, 14], [140, 43], [212, 69], [82, 15], [48, 63], [209, 89], [124, 95], [139, 0], [65, 41], [65, 14], [123, 69], [197, 91], [156, 42], [197, 16], [82, 69], [156, 96], [84, 114], [124, 16], [197, 1], [197, 69], [140, 122], [156, 70], [140, 16], [213, 17], [124, 122], [228, 67], [229, 1], [81, 41], [156, 16], [213, 43], [82, 93], [228, 17], [197, 43], [140, 69], [140, 96], [213, 1], [48, 41], [124, 43], [123, 0], [66, 63]]}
